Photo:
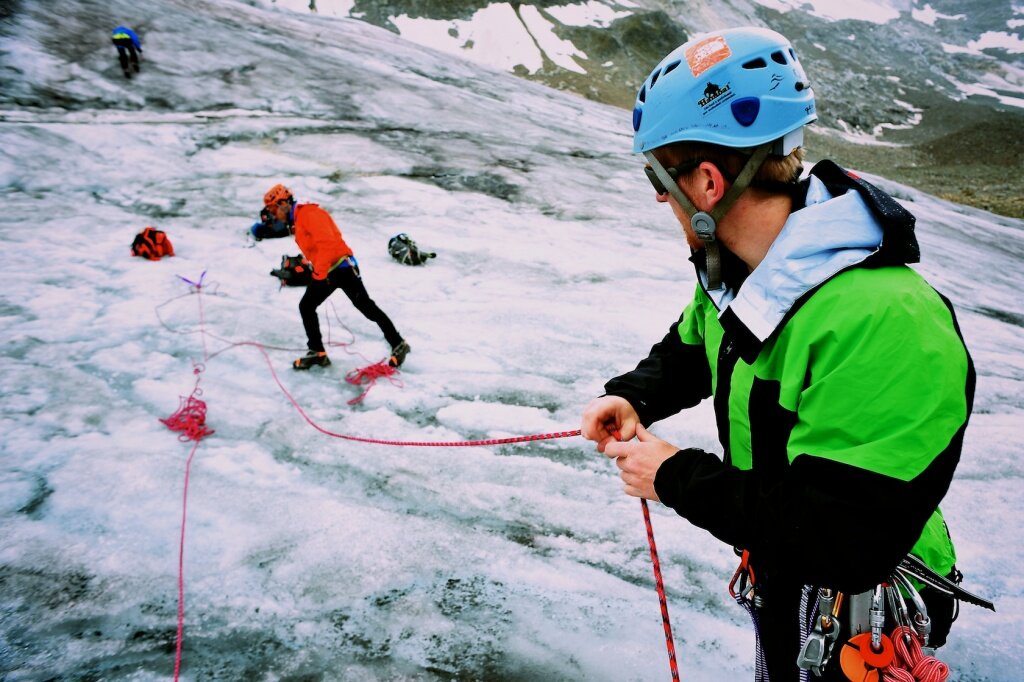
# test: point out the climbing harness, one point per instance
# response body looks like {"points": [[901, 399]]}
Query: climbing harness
{"points": [[881, 640], [885, 641]]}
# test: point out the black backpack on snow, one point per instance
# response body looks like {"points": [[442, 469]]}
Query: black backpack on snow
{"points": [[404, 250], [268, 227]]}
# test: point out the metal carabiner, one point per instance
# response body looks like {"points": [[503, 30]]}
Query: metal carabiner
{"points": [[876, 617], [921, 623], [897, 604]]}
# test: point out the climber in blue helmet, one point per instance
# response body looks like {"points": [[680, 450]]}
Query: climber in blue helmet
{"points": [[841, 385], [129, 47]]}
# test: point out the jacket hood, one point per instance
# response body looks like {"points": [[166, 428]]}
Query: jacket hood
{"points": [[843, 222]]}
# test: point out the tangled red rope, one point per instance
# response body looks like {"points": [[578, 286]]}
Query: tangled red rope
{"points": [[190, 419], [369, 375], [910, 663]]}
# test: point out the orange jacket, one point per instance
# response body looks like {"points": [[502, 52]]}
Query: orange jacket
{"points": [[319, 239]]}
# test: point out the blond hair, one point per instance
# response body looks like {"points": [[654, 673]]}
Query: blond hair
{"points": [[775, 173]]}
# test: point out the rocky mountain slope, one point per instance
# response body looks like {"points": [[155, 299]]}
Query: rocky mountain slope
{"points": [[929, 92]]}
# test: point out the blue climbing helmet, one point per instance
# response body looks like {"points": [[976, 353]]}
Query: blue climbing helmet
{"points": [[740, 88]]}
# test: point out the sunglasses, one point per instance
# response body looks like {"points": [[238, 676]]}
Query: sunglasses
{"points": [[673, 171]]}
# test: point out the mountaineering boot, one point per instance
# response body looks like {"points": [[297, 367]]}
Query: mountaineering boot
{"points": [[312, 358], [127, 74], [135, 66], [398, 354]]}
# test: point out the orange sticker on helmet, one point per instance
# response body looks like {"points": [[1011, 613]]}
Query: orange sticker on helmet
{"points": [[705, 54]]}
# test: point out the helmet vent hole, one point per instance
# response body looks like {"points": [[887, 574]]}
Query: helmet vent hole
{"points": [[778, 57], [793, 55], [654, 78], [642, 95], [758, 63], [670, 68]]}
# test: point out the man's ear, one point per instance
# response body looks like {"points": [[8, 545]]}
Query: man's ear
{"points": [[711, 185]]}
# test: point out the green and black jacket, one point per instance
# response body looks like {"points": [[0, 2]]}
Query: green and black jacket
{"points": [[841, 410]]}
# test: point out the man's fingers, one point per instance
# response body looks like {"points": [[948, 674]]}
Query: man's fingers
{"points": [[632, 490], [613, 449]]}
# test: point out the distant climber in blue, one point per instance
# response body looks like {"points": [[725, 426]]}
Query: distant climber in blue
{"points": [[128, 48]]}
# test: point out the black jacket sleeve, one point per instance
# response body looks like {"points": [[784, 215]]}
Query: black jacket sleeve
{"points": [[820, 523], [673, 377]]}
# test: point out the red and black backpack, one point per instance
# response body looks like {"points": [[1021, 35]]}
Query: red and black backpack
{"points": [[295, 271], [152, 243]]}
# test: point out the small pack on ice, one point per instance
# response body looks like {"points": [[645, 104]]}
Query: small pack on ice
{"points": [[152, 243], [404, 250]]}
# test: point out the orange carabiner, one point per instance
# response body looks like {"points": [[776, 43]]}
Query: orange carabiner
{"points": [[744, 570]]}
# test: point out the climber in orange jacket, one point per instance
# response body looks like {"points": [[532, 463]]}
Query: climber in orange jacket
{"points": [[334, 267]]}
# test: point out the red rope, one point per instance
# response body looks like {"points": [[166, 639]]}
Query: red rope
{"points": [[190, 421], [405, 443], [910, 664], [669, 641], [181, 567], [369, 375]]}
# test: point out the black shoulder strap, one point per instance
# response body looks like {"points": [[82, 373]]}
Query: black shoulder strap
{"points": [[899, 243]]}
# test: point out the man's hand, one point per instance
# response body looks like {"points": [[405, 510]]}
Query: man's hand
{"points": [[606, 416], [638, 462]]}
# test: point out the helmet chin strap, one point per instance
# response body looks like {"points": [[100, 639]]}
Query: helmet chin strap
{"points": [[705, 224]]}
